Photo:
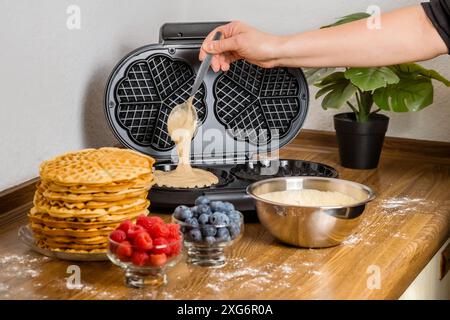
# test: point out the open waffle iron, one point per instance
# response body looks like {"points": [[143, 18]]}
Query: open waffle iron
{"points": [[244, 112]]}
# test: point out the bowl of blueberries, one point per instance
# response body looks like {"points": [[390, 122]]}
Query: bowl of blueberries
{"points": [[209, 228]]}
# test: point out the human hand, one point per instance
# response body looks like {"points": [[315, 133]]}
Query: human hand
{"points": [[240, 41]]}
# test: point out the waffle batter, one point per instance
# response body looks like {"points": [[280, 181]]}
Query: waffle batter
{"points": [[309, 197], [181, 127]]}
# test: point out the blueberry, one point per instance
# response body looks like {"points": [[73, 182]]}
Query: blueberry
{"points": [[209, 231], [228, 207], [234, 216], [195, 235], [185, 214], [219, 218], [210, 240], [216, 206], [192, 222], [234, 230], [203, 209], [222, 233], [202, 200], [178, 210], [203, 219], [194, 211]]}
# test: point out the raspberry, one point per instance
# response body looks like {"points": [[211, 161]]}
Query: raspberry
{"points": [[159, 230], [174, 231], [140, 258], [158, 260], [143, 241], [124, 251], [124, 226], [156, 220], [133, 232], [175, 248], [160, 245], [148, 222], [118, 236]]}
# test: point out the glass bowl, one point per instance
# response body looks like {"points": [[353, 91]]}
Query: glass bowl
{"points": [[206, 243], [142, 272]]}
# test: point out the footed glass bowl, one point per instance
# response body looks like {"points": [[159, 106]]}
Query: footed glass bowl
{"points": [[206, 243], [145, 269]]}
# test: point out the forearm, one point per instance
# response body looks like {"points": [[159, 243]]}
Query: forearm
{"points": [[405, 35]]}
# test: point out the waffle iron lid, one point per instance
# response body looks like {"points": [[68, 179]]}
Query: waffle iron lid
{"points": [[245, 110]]}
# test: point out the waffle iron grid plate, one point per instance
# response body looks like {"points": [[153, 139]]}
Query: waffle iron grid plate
{"points": [[254, 110], [259, 109]]}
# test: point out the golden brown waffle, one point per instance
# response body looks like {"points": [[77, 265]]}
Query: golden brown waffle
{"points": [[69, 232], [83, 196], [79, 222], [101, 196], [43, 245], [96, 167], [143, 182], [56, 240], [42, 205], [93, 204], [60, 246]]}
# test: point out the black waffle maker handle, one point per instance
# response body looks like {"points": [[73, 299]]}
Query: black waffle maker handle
{"points": [[194, 32]]}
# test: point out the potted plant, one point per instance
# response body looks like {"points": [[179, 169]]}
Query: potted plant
{"points": [[367, 91]]}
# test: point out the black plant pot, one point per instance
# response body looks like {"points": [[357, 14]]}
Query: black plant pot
{"points": [[360, 144]]}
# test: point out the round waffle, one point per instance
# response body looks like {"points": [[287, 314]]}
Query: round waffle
{"points": [[83, 196], [96, 167], [67, 249], [81, 223], [101, 196], [94, 204], [64, 246], [57, 211], [92, 232]]}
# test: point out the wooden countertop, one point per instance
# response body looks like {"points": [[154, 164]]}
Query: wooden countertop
{"points": [[399, 233]]}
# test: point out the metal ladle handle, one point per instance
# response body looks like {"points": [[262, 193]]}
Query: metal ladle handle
{"points": [[204, 67]]}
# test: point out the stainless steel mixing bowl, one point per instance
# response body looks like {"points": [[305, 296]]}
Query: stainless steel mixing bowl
{"points": [[305, 226]]}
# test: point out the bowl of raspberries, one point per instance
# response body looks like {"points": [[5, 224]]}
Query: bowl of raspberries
{"points": [[145, 250], [208, 228]]}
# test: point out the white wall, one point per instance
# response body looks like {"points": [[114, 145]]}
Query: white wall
{"points": [[286, 17], [52, 79]]}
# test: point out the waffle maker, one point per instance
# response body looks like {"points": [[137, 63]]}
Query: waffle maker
{"points": [[242, 113]]}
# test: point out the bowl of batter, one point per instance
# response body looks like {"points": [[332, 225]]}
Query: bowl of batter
{"points": [[310, 212]]}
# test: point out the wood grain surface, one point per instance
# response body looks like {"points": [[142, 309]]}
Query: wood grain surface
{"points": [[400, 231]]}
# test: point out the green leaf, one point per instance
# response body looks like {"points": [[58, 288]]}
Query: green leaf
{"points": [[336, 89], [349, 18], [408, 95], [416, 69], [369, 79], [315, 74]]}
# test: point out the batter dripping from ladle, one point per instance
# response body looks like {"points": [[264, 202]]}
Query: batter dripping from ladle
{"points": [[181, 126]]}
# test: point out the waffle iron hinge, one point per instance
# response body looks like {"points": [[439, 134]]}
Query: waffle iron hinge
{"points": [[236, 159], [193, 32]]}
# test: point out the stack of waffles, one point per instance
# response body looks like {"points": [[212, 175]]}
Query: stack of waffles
{"points": [[84, 195]]}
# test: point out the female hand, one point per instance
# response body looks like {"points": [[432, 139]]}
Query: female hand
{"points": [[240, 41]]}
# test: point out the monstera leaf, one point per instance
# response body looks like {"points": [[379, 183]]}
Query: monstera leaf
{"points": [[315, 74], [415, 70], [369, 79], [337, 90], [409, 94]]}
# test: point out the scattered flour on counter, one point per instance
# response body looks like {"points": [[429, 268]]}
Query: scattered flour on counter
{"points": [[21, 266], [3, 287], [400, 202], [352, 240], [215, 288]]}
